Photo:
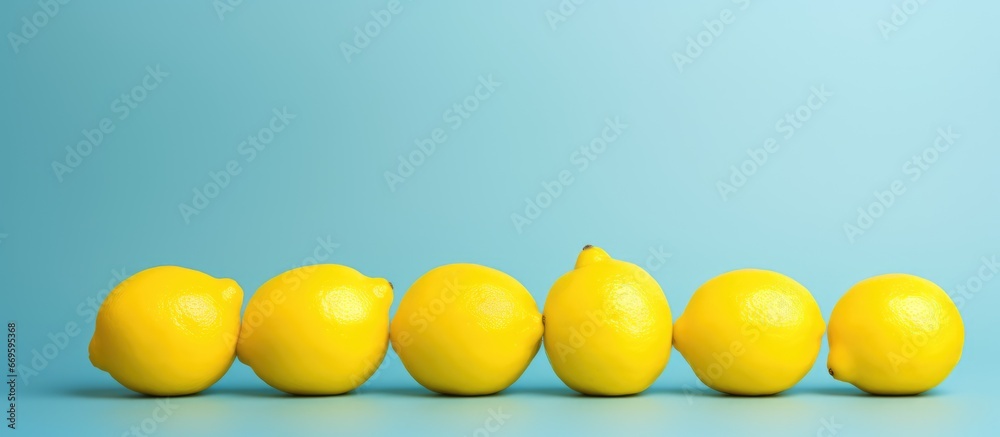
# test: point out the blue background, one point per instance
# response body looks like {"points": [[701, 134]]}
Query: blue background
{"points": [[63, 238]]}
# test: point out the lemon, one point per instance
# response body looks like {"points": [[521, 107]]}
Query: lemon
{"points": [[895, 335], [168, 331], [466, 329], [750, 332], [607, 326], [316, 330]]}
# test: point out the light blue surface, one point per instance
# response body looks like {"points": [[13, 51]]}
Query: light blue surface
{"points": [[655, 187]]}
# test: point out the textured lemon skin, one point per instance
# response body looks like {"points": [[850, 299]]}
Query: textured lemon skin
{"points": [[607, 326], [895, 334], [168, 331], [316, 330], [750, 332], [466, 329]]}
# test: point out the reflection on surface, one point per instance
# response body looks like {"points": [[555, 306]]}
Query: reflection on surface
{"points": [[518, 411]]}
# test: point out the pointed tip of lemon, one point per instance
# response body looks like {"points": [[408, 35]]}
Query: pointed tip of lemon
{"points": [[838, 366], [231, 290], [591, 254], [837, 375], [383, 289]]}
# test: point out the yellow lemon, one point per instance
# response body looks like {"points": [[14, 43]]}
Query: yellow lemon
{"points": [[316, 330], [168, 331], [607, 326], [895, 335], [466, 329], [750, 332]]}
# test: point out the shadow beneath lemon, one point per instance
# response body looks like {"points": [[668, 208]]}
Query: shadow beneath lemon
{"points": [[843, 391], [419, 392], [562, 391], [253, 392], [685, 391], [424, 393], [108, 393], [851, 391]]}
